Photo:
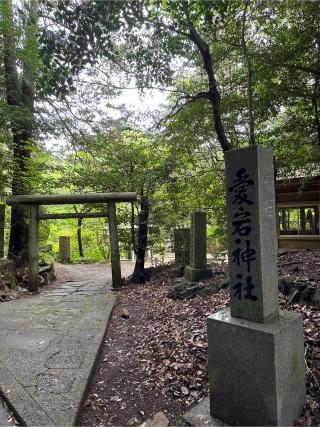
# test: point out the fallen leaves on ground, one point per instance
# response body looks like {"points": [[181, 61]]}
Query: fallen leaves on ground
{"points": [[156, 360], [8, 282], [173, 347]]}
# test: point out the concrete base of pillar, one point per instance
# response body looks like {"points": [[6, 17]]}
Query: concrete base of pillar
{"points": [[196, 274], [256, 370]]}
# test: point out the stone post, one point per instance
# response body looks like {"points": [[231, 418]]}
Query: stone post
{"points": [[64, 249], [251, 233], [197, 270], [33, 248], [2, 224], [114, 246], [182, 246], [255, 353]]}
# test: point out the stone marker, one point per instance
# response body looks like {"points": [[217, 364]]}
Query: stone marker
{"points": [[255, 353], [2, 223], [252, 238], [198, 270], [182, 246], [64, 249]]}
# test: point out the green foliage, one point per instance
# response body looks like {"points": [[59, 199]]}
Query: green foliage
{"points": [[94, 239], [180, 166], [216, 239]]}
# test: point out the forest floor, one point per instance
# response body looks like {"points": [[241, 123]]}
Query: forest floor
{"points": [[155, 360]]}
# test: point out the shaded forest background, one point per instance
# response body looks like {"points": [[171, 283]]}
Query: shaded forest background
{"points": [[231, 74]]}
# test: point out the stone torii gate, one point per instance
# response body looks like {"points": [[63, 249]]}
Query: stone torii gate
{"points": [[32, 202]]}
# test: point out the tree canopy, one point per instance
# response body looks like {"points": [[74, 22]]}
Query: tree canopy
{"points": [[236, 73]]}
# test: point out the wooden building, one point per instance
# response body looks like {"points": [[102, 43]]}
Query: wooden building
{"points": [[298, 202]]}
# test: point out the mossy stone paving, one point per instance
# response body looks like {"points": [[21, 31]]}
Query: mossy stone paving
{"points": [[48, 346]]}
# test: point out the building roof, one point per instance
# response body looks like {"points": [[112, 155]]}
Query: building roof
{"points": [[303, 189]]}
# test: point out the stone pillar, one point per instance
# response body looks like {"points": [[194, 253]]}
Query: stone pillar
{"points": [[255, 353], [114, 246], [2, 224], [251, 233], [182, 246], [198, 248], [33, 248], [64, 249]]}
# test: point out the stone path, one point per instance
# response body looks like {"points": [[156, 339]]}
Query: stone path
{"points": [[48, 345]]}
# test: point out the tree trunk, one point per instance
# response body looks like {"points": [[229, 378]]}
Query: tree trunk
{"points": [[139, 275], [18, 229], [2, 228], [283, 220], [316, 220], [213, 94], [17, 241], [20, 95], [316, 95], [303, 222], [79, 236], [316, 109]]}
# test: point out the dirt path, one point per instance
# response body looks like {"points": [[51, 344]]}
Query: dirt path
{"points": [[98, 271]]}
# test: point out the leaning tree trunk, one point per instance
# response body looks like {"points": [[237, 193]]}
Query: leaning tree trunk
{"points": [[139, 275], [212, 94]]}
